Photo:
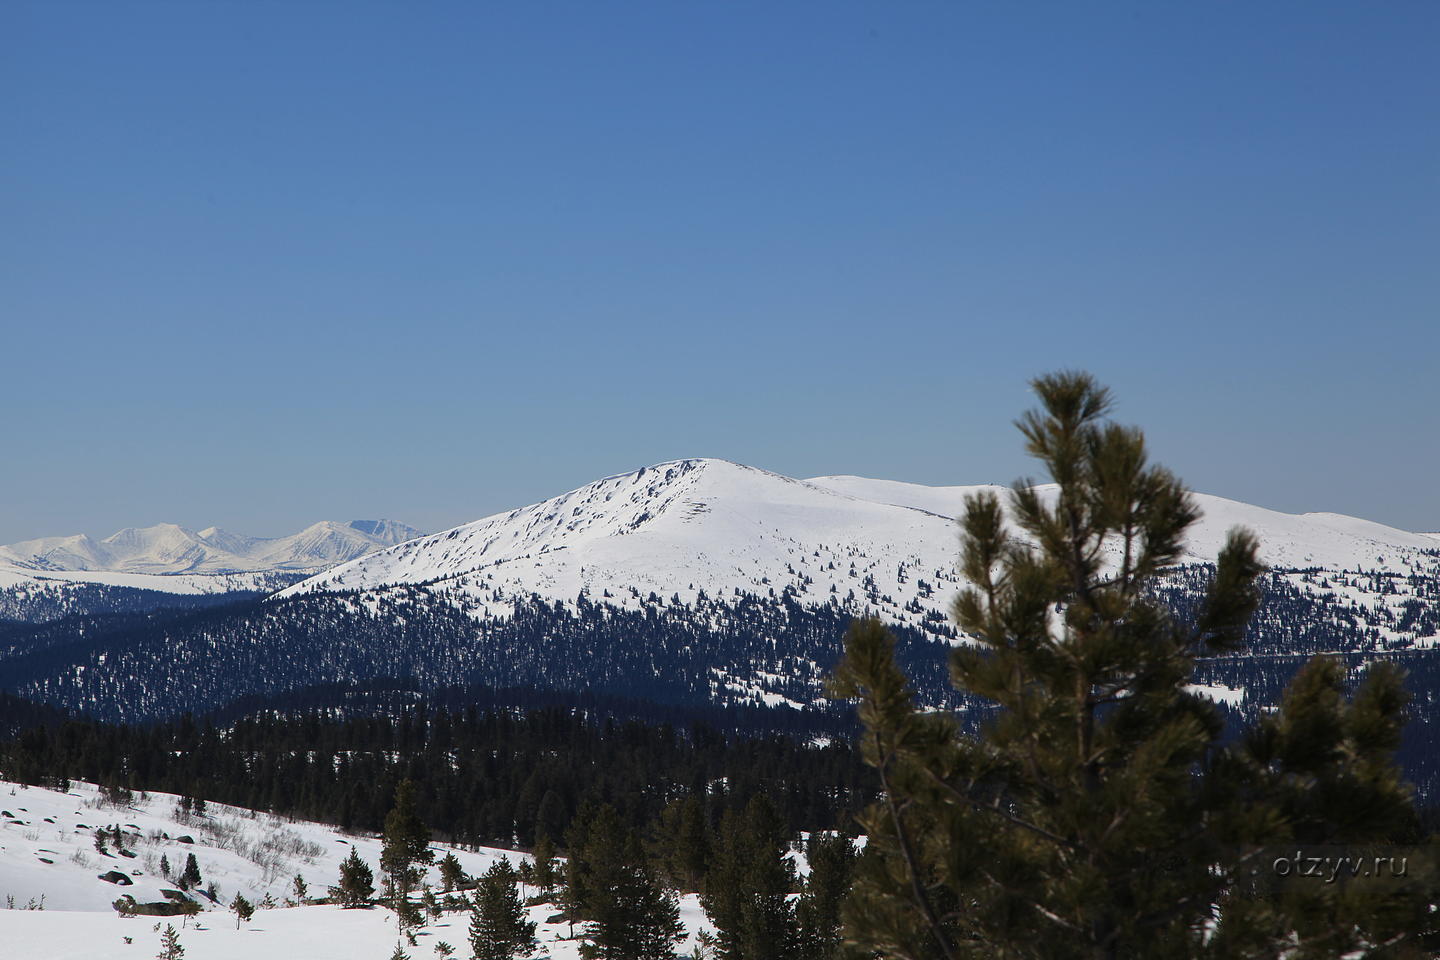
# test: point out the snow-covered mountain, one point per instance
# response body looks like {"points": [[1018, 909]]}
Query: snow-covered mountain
{"points": [[170, 549], [691, 584], [685, 528]]}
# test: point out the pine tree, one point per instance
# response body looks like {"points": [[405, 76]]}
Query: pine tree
{"points": [[575, 896], [817, 912], [545, 873], [243, 909], [170, 948], [357, 882], [452, 875], [300, 888], [683, 842], [1098, 813], [190, 876], [747, 891], [406, 849], [632, 914], [498, 928], [164, 866]]}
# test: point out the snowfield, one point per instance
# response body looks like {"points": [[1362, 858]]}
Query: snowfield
{"points": [[48, 856]]}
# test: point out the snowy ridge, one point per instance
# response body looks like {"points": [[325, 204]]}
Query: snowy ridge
{"points": [[1287, 539], [881, 547], [169, 549]]}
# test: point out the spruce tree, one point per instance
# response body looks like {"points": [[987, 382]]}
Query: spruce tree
{"points": [[748, 887], [406, 850], [357, 882], [633, 915], [1099, 813], [596, 861], [575, 896], [452, 875], [498, 928], [683, 842], [817, 912], [190, 877], [546, 872]]}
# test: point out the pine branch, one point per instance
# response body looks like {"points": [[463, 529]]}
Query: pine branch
{"points": [[917, 888]]}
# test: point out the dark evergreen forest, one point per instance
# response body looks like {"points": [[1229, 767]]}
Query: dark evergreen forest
{"points": [[496, 777]]}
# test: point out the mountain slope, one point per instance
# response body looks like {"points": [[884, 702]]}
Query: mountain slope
{"points": [[689, 528]]}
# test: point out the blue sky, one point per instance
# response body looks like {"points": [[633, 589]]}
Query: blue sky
{"points": [[268, 263]]}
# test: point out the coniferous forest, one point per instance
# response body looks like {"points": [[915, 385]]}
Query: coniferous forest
{"points": [[495, 777]]}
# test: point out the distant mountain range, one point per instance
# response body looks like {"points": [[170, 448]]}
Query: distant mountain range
{"points": [[170, 549]]}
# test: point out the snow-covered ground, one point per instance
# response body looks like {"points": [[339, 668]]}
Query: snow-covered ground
{"points": [[48, 855]]}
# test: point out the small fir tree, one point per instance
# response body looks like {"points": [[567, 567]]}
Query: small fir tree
{"points": [[357, 882], [242, 908], [170, 948], [452, 875], [190, 876], [498, 928]]}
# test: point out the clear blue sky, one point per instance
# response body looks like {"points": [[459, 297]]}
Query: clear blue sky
{"points": [[267, 263]]}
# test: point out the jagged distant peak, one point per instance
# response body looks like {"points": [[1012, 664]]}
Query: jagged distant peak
{"points": [[169, 548]]}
